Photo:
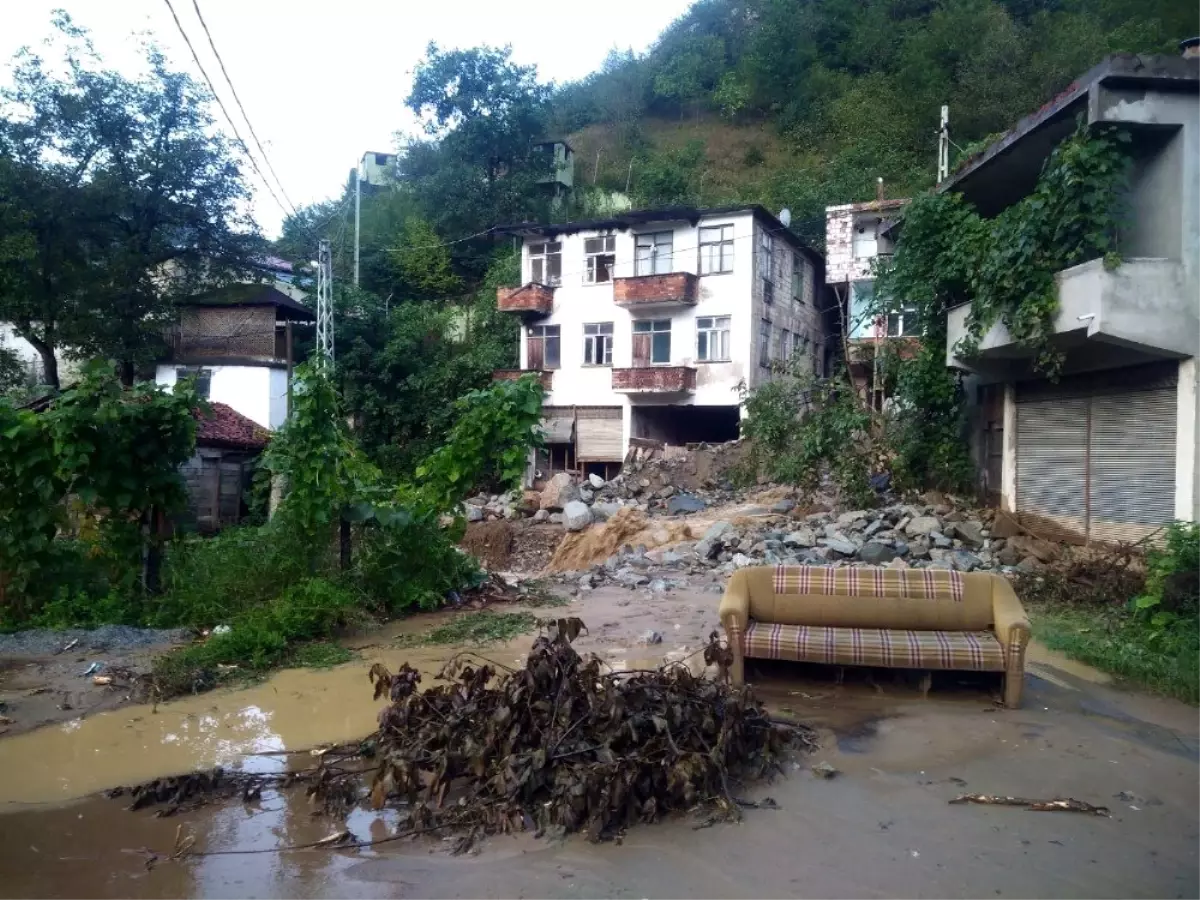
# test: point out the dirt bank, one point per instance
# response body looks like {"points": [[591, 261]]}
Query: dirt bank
{"points": [[883, 827]]}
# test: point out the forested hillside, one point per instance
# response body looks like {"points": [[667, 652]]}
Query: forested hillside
{"points": [[803, 103]]}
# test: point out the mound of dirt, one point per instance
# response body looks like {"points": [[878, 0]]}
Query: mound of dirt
{"points": [[490, 542], [585, 549]]}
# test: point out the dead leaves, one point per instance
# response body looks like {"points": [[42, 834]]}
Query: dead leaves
{"points": [[565, 744]]}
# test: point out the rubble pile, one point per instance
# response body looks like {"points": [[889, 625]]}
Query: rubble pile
{"points": [[564, 744], [938, 534]]}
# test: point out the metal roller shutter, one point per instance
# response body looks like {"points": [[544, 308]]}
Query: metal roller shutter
{"points": [[598, 434], [558, 424], [1096, 454], [1052, 466], [1132, 455]]}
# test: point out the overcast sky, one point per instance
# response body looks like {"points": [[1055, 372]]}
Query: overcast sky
{"points": [[325, 82]]}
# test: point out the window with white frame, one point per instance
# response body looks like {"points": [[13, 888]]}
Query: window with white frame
{"points": [[653, 253], [652, 341], [712, 338], [863, 240], [764, 343], [766, 265], [903, 323], [545, 263], [597, 344], [600, 254], [716, 249], [797, 277]]}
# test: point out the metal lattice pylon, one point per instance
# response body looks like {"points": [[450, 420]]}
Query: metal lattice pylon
{"points": [[324, 304]]}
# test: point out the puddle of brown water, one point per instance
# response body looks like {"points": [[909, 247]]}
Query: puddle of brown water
{"points": [[301, 708], [1040, 656]]}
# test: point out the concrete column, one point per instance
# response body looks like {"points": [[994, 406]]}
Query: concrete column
{"points": [[1187, 463], [1008, 469]]}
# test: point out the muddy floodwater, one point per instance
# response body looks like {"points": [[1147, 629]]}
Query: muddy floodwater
{"points": [[882, 827]]}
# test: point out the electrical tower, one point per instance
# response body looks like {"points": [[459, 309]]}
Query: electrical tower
{"points": [[324, 304]]}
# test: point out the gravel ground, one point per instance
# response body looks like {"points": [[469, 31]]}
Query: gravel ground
{"points": [[107, 638]]}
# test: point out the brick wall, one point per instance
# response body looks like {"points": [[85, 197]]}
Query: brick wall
{"points": [[678, 287], [528, 298], [655, 378], [227, 331]]}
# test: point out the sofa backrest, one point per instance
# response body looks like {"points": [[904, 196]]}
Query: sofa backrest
{"points": [[863, 608]]}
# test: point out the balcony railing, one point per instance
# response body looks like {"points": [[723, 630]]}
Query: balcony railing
{"points": [[532, 299], [544, 376], [655, 291], [655, 380]]}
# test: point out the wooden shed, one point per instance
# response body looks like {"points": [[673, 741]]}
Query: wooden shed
{"points": [[218, 474]]}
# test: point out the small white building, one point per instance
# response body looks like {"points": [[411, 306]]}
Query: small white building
{"points": [[648, 324], [236, 341]]}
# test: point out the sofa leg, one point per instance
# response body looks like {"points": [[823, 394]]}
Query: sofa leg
{"points": [[1014, 684], [737, 670]]}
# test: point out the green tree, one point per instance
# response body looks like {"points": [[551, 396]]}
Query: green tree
{"points": [[119, 197]]}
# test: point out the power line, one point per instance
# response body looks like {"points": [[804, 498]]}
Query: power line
{"points": [[228, 118], [238, 100]]}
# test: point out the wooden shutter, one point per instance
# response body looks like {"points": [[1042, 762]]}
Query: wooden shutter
{"points": [[1052, 466], [1132, 480], [598, 434], [535, 348], [641, 349]]}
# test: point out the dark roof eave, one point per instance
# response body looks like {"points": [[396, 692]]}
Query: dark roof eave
{"points": [[1124, 69]]}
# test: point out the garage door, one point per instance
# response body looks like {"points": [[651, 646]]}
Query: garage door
{"points": [[1096, 454], [598, 434]]}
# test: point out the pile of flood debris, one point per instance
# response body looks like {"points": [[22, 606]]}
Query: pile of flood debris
{"points": [[564, 745]]}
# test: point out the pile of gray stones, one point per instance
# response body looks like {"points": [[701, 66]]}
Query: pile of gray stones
{"points": [[902, 535]]}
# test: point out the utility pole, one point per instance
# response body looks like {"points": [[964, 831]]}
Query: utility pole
{"points": [[357, 214], [324, 304], [943, 164]]}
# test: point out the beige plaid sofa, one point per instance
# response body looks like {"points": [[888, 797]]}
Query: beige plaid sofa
{"points": [[897, 618]]}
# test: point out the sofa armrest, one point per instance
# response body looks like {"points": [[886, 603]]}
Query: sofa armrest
{"points": [[1008, 615], [735, 617]]}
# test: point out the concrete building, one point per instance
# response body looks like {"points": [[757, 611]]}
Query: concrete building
{"points": [[1108, 451], [646, 325], [855, 237]]}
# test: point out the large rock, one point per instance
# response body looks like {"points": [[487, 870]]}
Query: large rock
{"points": [[1005, 526], [964, 560], [876, 554], [602, 512], [801, 537], [577, 516], [596, 481], [922, 525], [474, 513], [841, 547], [784, 506], [684, 503], [717, 530], [969, 532], [558, 492], [1042, 551], [848, 518]]}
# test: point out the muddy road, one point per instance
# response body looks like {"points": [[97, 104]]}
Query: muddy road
{"points": [[880, 828]]}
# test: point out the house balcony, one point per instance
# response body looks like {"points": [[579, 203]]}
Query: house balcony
{"points": [[1140, 311], [545, 377], [654, 292], [529, 300], [654, 380]]}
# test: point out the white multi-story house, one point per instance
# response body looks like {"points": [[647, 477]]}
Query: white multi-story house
{"points": [[647, 325]]}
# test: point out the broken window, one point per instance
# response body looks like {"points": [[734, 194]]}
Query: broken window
{"points": [[203, 378], [545, 263], [597, 344], [652, 342], [716, 249], [797, 278], [653, 253], [542, 346], [601, 255], [904, 323], [712, 338], [863, 241], [799, 344], [764, 343], [766, 265], [785, 344]]}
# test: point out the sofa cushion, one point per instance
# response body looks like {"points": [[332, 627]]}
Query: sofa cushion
{"points": [[876, 581], [894, 648]]}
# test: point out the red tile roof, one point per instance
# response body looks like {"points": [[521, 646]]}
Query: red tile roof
{"points": [[226, 427]]}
